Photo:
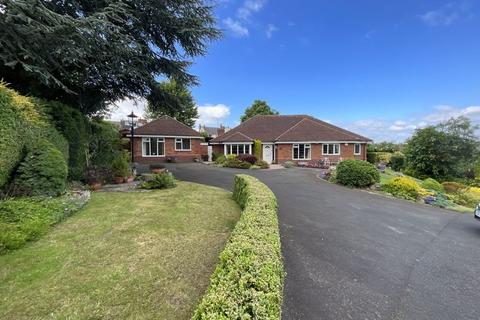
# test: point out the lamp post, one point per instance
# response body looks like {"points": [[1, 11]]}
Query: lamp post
{"points": [[132, 117]]}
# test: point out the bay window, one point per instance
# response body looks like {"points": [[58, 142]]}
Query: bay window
{"points": [[153, 147], [331, 149], [301, 151], [182, 144]]}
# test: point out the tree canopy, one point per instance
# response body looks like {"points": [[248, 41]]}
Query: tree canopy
{"points": [[446, 150], [90, 53], [259, 107], [173, 99]]}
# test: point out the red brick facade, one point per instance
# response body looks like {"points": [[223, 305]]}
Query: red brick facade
{"points": [[197, 151], [284, 153]]}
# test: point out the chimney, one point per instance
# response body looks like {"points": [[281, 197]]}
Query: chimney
{"points": [[221, 130]]}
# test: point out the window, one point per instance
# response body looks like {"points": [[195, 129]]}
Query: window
{"points": [[237, 149], [357, 149], [182, 144], [153, 147], [331, 149], [301, 152]]}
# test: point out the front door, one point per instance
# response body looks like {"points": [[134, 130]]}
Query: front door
{"points": [[268, 153]]}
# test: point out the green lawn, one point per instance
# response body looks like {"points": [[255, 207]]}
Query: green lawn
{"points": [[136, 255]]}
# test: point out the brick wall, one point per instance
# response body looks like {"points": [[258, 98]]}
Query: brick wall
{"points": [[284, 153], [197, 150]]}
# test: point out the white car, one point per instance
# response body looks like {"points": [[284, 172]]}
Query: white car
{"points": [[476, 213]]}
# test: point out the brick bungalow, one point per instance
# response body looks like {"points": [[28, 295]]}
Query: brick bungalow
{"points": [[297, 138], [166, 139]]}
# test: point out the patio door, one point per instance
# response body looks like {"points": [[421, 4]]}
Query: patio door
{"points": [[268, 153]]}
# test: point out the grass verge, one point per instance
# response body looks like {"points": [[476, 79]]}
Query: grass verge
{"points": [[248, 280], [134, 255]]}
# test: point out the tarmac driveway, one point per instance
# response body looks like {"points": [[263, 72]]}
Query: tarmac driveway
{"points": [[350, 254]]}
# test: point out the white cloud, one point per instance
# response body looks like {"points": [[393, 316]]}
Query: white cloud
{"points": [[369, 35], [249, 7], [446, 15], [121, 109], [270, 30], [213, 114], [236, 27], [401, 129]]}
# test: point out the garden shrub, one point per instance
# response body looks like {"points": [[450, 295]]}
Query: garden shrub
{"points": [[247, 158], [257, 149], [453, 187], [161, 180], [288, 164], [397, 161], [22, 122], [26, 219], [262, 164], [248, 280], [468, 198], [220, 158], [43, 171], [105, 143], [234, 162], [75, 127], [403, 187], [432, 184], [356, 173], [120, 166], [377, 157]]}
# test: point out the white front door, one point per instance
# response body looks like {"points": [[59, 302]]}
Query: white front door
{"points": [[268, 153]]}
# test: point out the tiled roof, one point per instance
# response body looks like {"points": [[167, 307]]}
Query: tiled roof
{"points": [[286, 128], [166, 126], [237, 137]]}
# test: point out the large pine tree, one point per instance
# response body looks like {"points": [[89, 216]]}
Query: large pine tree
{"points": [[89, 53]]}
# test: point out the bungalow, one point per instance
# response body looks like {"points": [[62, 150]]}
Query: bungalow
{"points": [[297, 138], [166, 139]]}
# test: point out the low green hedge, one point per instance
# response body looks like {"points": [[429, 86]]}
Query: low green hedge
{"points": [[248, 280]]}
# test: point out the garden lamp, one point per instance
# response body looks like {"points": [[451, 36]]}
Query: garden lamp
{"points": [[132, 117]]}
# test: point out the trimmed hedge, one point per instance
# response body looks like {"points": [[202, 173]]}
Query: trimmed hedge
{"points": [[397, 161], [356, 173], [42, 172], [248, 280], [22, 123], [376, 157]]}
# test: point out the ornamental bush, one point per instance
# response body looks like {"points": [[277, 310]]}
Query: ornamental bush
{"points": [[262, 164], [247, 158], [432, 184], [403, 187], [357, 173], [120, 166], [220, 158], [288, 164], [453, 187], [248, 280], [397, 161], [234, 162], [377, 157], [43, 171], [161, 180], [257, 149]]}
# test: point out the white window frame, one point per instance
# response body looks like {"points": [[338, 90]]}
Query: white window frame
{"points": [[180, 140], [227, 148], [359, 149], [305, 146], [328, 151], [149, 140]]}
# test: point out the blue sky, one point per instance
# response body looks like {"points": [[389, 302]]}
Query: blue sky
{"points": [[379, 68]]}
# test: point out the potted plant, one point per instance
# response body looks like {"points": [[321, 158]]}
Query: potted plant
{"points": [[120, 168], [92, 179]]}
